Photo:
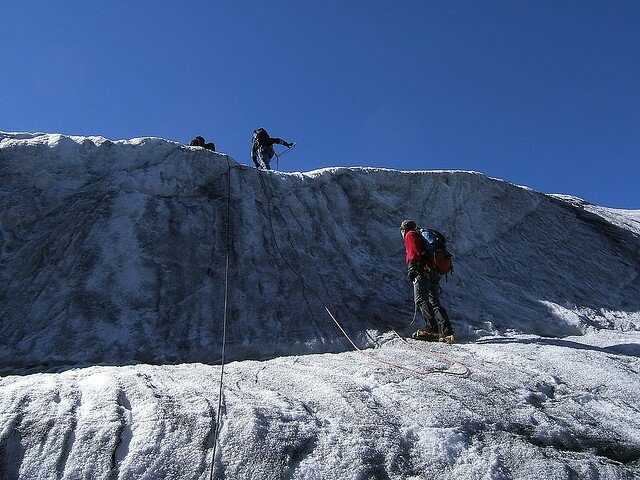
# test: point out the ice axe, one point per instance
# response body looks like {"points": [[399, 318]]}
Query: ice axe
{"points": [[284, 152]]}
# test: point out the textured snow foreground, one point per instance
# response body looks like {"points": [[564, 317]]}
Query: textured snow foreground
{"points": [[532, 408], [111, 299]]}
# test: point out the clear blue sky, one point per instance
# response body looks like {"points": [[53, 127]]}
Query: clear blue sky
{"points": [[540, 93]]}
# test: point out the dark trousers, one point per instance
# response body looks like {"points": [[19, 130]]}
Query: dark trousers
{"points": [[426, 293], [266, 154]]}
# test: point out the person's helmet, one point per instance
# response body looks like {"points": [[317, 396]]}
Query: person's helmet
{"points": [[407, 225]]}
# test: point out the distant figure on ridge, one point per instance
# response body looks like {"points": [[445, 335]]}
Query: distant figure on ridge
{"points": [[263, 148], [427, 260], [199, 142]]}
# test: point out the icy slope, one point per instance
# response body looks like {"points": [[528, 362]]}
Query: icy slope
{"points": [[115, 252], [532, 408]]}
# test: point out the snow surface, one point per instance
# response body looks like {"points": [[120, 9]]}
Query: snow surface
{"points": [[111, 299]]}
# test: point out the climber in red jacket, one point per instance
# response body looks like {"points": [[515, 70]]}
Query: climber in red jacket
{"points": [[426, 287]]}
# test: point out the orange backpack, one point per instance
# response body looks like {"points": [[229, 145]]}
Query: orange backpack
{"points": [[436, 253]]}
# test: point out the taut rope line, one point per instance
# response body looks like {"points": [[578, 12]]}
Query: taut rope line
{"points": [[363, 352], [216, 433]]}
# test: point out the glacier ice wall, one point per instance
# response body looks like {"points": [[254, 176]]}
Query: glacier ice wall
{"points": [[114, 252]]}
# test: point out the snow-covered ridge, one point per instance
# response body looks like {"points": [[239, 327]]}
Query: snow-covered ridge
{"points": [[114, 252]]}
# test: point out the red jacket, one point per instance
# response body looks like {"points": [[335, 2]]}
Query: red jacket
{"points": [[414, 244]]}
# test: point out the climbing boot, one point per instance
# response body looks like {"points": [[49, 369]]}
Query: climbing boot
{"points": [[446, 339], [425, 335]]}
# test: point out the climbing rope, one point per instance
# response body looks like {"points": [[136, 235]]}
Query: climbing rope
{"points": [[216, 432], [436, 356], [429, 353], [319, 298], [278, 155], [400, 327]]}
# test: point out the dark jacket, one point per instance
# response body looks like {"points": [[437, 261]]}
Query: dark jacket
{"points": [[263, 145], [267, 142]]}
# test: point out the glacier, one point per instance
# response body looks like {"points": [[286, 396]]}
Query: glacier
{"points": [[112, 288]]}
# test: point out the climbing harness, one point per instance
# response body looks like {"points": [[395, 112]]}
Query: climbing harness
{"points": [[216, 433], [319, 298]]}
